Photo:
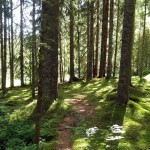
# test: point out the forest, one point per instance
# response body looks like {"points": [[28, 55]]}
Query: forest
{"points": [[74, 75]]}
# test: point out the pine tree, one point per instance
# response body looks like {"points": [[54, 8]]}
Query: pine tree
{"points": [[48, 61], [104, 38], [126, 51]]}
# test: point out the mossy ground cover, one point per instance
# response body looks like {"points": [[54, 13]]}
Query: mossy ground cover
{"points": [[17, 127], [135, 118]]}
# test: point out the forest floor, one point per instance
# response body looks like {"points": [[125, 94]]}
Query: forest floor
{"points": [[96, 122], [81, 109], [84, 117]]}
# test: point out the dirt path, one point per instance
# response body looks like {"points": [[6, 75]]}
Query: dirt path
{"points": [[82, 109]]}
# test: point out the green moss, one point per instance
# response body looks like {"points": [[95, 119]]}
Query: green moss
{"points": [[17, 129], [133, 118], [80, 143], [111, 96], [47, 146]]}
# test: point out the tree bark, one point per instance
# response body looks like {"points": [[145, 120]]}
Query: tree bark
{"points": [[33, 50], [126, 52], [88, 31], [72, 75], [116, 42], [64, 64], [104, 39], [91, 43], [110, 49], [143, 42], [1, 38], [4, 68], [21, 44], [78, 42], [9, 47], [12, 48], [48, 61], [61, 60], [95, 73]]}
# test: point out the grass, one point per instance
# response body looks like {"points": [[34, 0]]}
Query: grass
{"points": [[17, 128]]}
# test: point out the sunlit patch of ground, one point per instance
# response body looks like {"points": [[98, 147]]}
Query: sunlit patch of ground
{"points": [[16, 82], [147, 77]]}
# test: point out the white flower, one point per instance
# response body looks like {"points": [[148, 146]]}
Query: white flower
{"points": [[91, 131], [112, 138], [117, 129]]}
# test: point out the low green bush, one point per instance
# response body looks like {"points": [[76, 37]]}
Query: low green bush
{"points": [[146, 72]]}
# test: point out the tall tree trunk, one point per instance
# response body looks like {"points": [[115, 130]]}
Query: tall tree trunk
{"points": [[21, 44], [104, 39], [48, 61], [36, 66], [110, 49], [12, 48], [9, 47], [72, 75], [60, 58], [143, 41], [1, 38], [78, 41], [138, 55], [116, 46], [88, 31], [126, 51], [64, 64], [33, 50], [61, 67], [95, 73], [30, 67], [4, 68], [79, 59], [91, 44]]}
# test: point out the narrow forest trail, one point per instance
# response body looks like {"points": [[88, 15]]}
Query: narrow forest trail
{"points": [[81, 110]]}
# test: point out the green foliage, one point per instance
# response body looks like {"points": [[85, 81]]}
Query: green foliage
{"points": [[47, 146], [111, 96], [17, 132], [146, 72], [48, 130], [15, 143], [16, 127]]}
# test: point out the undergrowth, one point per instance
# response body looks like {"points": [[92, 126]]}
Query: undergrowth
{"points": [[17, 128]]}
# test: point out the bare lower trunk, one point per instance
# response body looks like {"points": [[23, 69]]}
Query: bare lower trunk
{"points": [[4, 68], [143, 43], [116, 42], [48, 62], [21, 44], [1, 38], [72, 75], [91, 44], [104, 39], [95, 72], [33, 50], [110, 49], [12, 50], [126, 52]]}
